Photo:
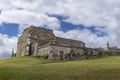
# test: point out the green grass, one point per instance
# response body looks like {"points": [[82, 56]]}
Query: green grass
{"points": [[31, 68]]}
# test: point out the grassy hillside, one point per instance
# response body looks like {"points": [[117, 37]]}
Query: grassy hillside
{"points": [[30, 68]]}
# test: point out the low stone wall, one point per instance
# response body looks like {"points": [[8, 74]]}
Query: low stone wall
{"points": [[73, 53], [84, 54], [69, 53]]}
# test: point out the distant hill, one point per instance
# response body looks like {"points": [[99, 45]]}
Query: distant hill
{"points": [[31, 68]]}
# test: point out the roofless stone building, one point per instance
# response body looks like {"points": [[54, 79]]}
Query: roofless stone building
{"points": [[36, 41]]}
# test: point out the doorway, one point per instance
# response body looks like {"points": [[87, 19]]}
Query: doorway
{"points": [[61, 55]]}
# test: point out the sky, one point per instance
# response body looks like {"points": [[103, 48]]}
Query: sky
{"points": [[92, 21]]}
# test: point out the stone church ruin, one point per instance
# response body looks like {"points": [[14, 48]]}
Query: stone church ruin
{"points": [[36, 41]]}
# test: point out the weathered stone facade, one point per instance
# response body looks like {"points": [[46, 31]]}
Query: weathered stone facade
{"points": [[36, 41]]}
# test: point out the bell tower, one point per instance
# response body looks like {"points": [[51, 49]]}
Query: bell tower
{"points": [[108, 46]]}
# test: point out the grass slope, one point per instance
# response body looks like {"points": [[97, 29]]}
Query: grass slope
{"points": [[30, 68]]}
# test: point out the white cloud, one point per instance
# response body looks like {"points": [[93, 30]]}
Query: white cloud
{"points": [[98, 13], [88, 37], [6, 45], [23, 17]]}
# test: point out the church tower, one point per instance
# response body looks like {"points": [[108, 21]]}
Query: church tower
{"points": [[108, 46]]}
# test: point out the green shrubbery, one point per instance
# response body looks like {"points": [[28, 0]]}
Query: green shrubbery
{"points": [[45, 56]]}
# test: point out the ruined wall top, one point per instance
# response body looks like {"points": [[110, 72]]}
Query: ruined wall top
{"points": [[44, 36], [69, 42], [38, 33]]}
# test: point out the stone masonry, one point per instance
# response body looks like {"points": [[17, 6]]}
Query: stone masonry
{"points": [[36, 41]]}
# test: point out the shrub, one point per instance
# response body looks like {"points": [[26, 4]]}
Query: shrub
{"points": [[45, 56]]}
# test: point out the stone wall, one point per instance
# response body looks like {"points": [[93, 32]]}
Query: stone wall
{"points": [[69, 42], [30, 37], [41, 36], [36, 41], [113, 51], [21, 46], [69, 53]]}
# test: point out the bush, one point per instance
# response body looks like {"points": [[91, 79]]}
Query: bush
{"points": [[45, 56]]}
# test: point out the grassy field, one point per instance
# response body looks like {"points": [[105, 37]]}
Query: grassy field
{"points": [[30, 68]]}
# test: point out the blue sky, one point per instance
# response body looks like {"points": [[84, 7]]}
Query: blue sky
{"points": [[93, 21], [9, 29]]}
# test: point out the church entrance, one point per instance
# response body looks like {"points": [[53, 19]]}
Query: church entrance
{"points": [[61, 55]]}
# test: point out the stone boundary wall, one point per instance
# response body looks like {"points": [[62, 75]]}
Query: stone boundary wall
{"points": [[74, 53]]}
